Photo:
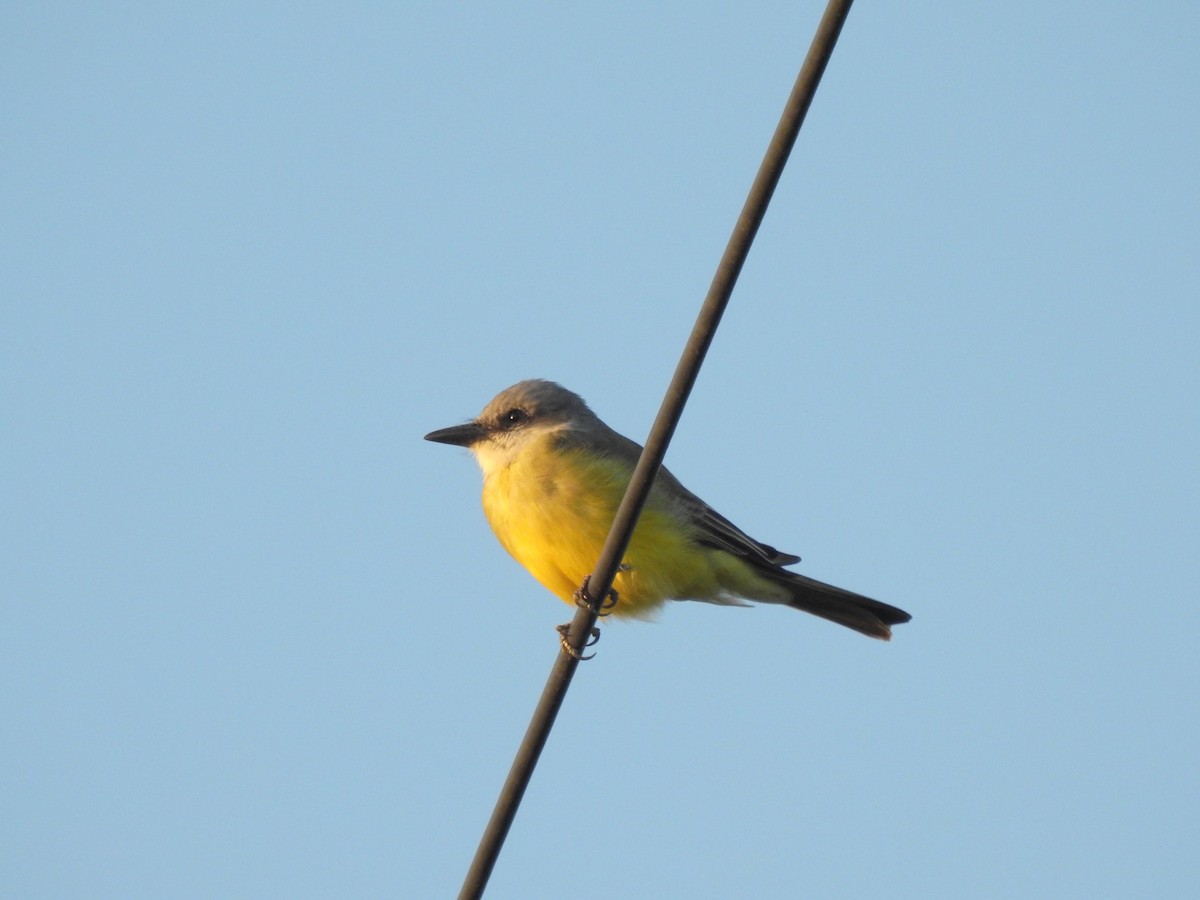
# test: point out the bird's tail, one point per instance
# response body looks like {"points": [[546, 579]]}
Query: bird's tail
{"points": [[867, 616]]}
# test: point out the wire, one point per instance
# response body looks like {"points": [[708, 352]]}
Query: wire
{"points": [[600, 582]]}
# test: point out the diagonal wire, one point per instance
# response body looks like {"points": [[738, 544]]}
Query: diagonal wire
{"points": [[600, 583]]}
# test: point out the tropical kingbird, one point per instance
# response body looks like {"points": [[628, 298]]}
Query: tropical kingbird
{"points": [[553, 476]]}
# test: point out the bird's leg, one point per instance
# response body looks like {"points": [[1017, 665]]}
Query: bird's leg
{"points": [[587, 601], [564, 630]]}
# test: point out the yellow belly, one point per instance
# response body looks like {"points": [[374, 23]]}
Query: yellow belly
{"points": [[552, 509]]}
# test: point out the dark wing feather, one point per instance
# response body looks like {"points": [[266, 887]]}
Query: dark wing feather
{"points": [[718, 531], [712, 528]]}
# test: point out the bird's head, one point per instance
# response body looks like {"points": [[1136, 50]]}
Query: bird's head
{"points": [[515, 418]]}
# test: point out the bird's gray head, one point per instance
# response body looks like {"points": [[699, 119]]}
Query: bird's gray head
{"points": [[513, 418]]}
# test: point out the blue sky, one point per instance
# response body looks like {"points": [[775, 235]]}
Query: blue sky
{"points": [[256, 638]]}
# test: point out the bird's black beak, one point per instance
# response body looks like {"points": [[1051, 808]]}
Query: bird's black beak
{"points": [[459, 435]]}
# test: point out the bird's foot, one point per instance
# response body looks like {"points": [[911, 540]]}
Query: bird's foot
{"points": [[587, 601], [564, 631]]}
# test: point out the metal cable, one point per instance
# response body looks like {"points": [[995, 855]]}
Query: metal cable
{"points": [[651, 459]]}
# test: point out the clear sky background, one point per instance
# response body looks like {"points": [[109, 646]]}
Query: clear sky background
{"points": [[256, 639]]}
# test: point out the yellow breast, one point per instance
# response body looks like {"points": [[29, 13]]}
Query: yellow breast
{"points": [[552, 509]]}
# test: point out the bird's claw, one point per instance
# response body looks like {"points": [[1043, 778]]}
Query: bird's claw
{"points": [[602, 608], [564, 631]]}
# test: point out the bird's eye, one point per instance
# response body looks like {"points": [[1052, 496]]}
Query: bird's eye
{"points": [[514, 416]]}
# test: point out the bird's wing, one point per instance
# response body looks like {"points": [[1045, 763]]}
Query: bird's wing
{"points": [[717, 531], [712, 528]]}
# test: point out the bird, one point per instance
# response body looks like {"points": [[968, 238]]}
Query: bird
{"points": [[553, 476]]}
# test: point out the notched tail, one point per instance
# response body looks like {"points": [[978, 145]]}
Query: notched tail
{"points": [[864, 615]]}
